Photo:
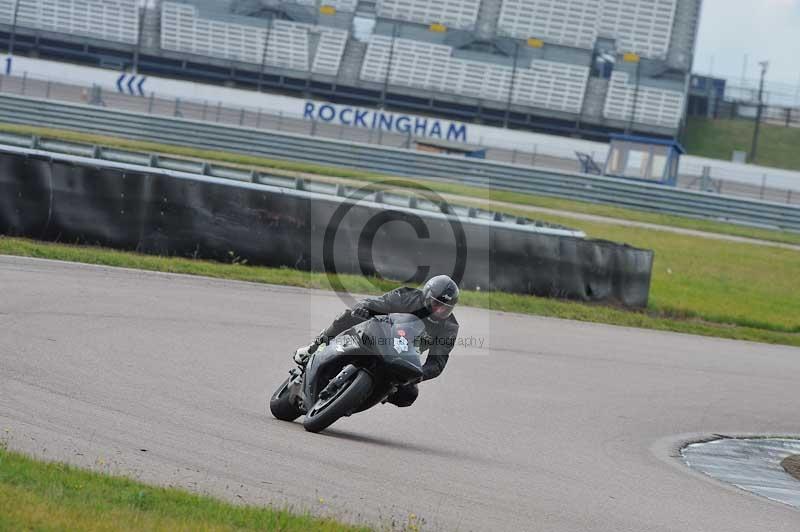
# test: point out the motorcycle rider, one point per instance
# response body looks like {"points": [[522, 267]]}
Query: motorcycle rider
{"points": [[433, 304]]}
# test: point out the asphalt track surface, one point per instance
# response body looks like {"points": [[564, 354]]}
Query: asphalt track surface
{"points": [[552, 425]]}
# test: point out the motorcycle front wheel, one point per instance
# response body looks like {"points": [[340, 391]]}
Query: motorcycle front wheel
{"points": [[346, 399], [280, 403]]}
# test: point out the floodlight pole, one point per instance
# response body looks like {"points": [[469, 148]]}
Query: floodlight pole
{"points": [[511, 85], [264, 54], [756, 130], [137, 50], [13, 29], [388, 67], [635, 98]]}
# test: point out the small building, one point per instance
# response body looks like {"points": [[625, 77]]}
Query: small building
{"points": [[644, 158]]}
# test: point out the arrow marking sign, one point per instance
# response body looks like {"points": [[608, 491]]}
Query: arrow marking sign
{"points": [[133, 82]]}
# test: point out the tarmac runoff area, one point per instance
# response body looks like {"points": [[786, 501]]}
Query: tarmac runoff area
{"points": [[551, 425]]}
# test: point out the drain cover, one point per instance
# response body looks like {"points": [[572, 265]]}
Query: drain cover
{"points": [[792, 465]]}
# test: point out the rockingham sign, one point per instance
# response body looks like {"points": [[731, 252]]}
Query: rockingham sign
{"points": [[344, 115], [385, 121]]}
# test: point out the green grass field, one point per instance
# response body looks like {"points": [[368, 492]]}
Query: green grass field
{"points": [[777, 146], [461, 190], [48, 496], [714, 280]]}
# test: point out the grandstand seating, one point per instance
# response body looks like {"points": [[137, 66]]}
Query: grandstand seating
{"points": [[113, 20], [471, 54], [461, 14], [342, 5], [654, 105], [641, 26], [552, 85], [565, 22], [185, 29], [329, 51], [546, 84]]}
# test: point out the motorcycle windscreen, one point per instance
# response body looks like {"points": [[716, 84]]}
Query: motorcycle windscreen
{"points": [[399, 345]]}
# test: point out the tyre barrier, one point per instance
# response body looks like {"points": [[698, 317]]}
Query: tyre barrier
{"points": [[53, 196]]}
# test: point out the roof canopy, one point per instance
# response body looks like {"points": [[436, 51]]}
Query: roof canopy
{"points": [[649, 140]]}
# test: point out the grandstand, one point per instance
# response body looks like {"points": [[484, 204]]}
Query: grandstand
{"points": [[114, 20], [212, 29], [587, 67]]}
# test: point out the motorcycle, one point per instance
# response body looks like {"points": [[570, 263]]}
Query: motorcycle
{"points": [[355, 371]]}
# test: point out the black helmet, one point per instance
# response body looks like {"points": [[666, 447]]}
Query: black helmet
{"points": [[441, 295]]}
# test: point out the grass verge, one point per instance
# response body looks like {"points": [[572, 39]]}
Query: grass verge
{"points": [[449, 188], [47, 496], [655, 317], [712, 280], [777, 145]]}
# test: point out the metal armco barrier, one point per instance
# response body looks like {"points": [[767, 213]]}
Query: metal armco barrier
{"points": [[392, 161], [53, 196], [396, 198]]}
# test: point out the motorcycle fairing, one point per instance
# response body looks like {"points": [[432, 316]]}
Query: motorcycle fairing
{"points": [[394, 338], [327, 362]]}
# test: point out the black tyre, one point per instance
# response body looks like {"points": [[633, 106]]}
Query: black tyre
{"points": [[280, 403], [349, 397]]}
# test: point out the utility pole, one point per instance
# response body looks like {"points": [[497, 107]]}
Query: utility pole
{"points": [[754, 147], [264, 54], [744, 70], [389, 67], [513, 79]]}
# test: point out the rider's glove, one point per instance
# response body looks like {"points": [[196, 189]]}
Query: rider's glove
{"points": [[361, 312], [302, 355]]}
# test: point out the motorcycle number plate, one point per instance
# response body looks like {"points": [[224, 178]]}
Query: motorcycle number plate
{"points": [[400, 344]]}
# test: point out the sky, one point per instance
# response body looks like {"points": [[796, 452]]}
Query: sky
{"points": [[761, 29]]}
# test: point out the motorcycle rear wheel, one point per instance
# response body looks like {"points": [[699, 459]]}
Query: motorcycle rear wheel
{"points": [[347, 399]]}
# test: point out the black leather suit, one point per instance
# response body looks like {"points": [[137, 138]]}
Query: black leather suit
{"points": [[440, 339]]}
